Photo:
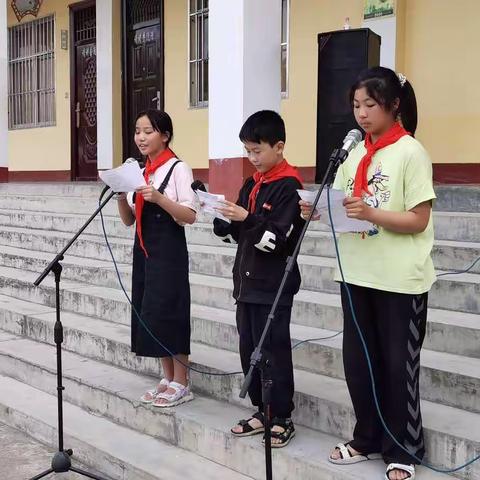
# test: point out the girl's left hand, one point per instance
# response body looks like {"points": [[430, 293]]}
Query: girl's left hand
{"points": [[232, 211], [357, 208], [150, 194]]}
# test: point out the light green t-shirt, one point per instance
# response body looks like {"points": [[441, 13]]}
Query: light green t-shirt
{"points": [[400, 178]]}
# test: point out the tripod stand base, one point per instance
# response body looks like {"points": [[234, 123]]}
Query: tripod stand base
{"points": [[61, 463]]}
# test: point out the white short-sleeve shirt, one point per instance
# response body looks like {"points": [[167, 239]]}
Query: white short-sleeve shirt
{"points": [[179, 187]]}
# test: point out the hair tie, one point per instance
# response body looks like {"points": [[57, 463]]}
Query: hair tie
{"points": [[402, 78]]}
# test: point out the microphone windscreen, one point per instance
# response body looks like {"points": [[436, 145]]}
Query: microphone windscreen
{"points": [[198, 185]]}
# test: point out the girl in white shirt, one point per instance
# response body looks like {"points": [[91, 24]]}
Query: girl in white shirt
{"points": [[160, 285]]}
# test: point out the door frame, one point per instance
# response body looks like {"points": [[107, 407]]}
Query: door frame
{"points": [[126, 114], [73, 9]]}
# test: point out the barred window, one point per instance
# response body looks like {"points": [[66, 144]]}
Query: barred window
{"points": [[198, 56], [284, 45], [31, 74]]}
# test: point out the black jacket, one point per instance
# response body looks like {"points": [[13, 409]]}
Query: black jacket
{"points": [[265, 240]]}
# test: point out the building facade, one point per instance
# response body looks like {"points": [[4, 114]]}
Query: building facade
{"points": [[73, 76]]}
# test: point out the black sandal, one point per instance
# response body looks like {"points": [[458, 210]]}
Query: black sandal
{"points": [[285, 436], [247, 429]]}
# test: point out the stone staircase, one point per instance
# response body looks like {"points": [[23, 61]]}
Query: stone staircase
{"points": [[110, 430]]}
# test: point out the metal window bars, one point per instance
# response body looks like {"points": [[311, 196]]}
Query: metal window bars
{"points": [[198, 48], [198, 56], [31, 74]]}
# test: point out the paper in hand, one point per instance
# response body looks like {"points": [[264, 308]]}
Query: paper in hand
{"points": [[211, 201], [341, 222], [126, 178]]}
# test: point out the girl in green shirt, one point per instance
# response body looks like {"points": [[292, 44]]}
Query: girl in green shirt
{"points": [[388, 269]]}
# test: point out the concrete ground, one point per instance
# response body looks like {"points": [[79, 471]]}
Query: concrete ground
{"points": [[21, 457]]}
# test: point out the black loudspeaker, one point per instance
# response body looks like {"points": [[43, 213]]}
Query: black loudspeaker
{"points": [[342, 55]]}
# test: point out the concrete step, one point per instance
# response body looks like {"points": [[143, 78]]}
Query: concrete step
{"points": [[456, 226], [64, 222], [452, 379], [445, 378], [447, 254], [452, 292], [80, 269], [322, 402], [451, 251], [87, 245], [449, 331], [201, 426], [457, 198], [109, 342], [460, 198], [86, 204], [461, 226], [57, 189], [118, 451]]}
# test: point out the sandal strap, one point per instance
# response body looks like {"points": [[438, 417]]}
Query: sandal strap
{"points": [[344, 451], [246, 427], [286, 424], [410, 469], [259, 416], [177, 386], [180, 391]]}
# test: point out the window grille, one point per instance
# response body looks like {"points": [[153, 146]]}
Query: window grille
{"points": [[31, 74], [85, 28], [140, 11], [198, 56]]}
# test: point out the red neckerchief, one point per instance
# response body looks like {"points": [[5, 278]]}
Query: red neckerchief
{"points": [[389, 137], [150, 168], [281, 170]]}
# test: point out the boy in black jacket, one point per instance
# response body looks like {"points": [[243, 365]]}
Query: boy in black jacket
{"points": [[266, 223]]}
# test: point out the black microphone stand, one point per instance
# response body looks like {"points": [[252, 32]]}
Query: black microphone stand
{"points": [[258, 359], [61, 461]]}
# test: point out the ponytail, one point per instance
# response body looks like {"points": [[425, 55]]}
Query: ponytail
{"points": [[408, 108]]}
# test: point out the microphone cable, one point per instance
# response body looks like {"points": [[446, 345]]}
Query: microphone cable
{"points": [[369, 363], [152, 335]]}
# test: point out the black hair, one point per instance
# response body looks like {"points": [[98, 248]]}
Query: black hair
{"points": [[161, 122], [263, 126], [383, 85]]}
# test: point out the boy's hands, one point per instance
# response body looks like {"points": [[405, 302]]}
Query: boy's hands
{"points": [[306, 208], [232, 211], [357, 208]]}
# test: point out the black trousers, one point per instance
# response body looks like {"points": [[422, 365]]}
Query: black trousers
{"points": [[393, 325], [251, 319]]}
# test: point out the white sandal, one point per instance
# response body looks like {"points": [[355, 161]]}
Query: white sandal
{"points": [[346, 457], [182, 394], [150, 395], [410, 469]]}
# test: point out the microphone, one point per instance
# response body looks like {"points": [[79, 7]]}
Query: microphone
{"points": [[198, 185], [351, 140]]}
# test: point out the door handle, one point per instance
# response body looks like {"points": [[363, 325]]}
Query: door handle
{"points": [[77, 112], [157, 99]]}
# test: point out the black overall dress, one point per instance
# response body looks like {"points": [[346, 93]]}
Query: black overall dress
{"points": [[160, 285]]}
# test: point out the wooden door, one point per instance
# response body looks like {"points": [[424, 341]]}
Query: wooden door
{"points": [[144, 64], [84, 98]]}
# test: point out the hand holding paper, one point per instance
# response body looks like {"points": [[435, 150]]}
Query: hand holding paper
{"points": [[210, 202], [341, 222], [126, 178]]}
